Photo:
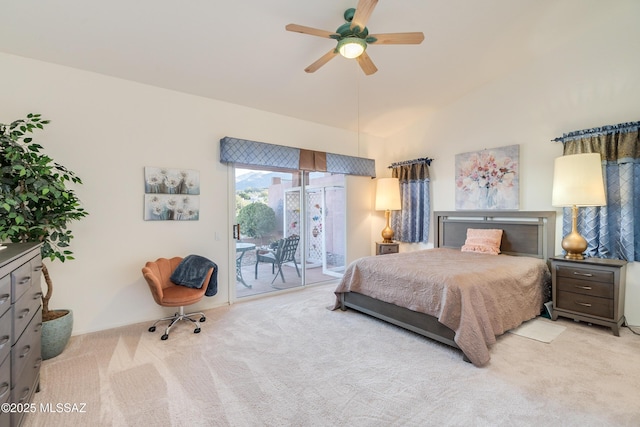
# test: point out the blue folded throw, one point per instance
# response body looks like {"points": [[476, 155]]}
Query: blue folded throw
{"points": [[192, 271]]}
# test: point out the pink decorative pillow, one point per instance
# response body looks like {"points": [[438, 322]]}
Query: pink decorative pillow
{"points": [[486, 241]]}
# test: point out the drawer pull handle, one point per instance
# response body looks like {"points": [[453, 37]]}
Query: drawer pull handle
{"points": [[4, 298], [37, 295], [24, 314], [4, 387], [25, 280], [584, 304], [25, 394], [4, 340], [25, 351], [587, 288], [575, 273]]}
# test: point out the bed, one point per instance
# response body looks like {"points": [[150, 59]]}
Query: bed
{"points": [[462, 299]]}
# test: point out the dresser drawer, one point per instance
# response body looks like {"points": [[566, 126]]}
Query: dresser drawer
{"points": [[5, 389], [5, 335], [5, 379], [27, 384], [586, 274], [24, 310], [594, 306], [5, 293], [579, 286], [20, 281], [26, 351]]}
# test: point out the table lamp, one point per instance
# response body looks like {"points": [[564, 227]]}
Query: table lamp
{"points": [[577, 181], [387, 200]]}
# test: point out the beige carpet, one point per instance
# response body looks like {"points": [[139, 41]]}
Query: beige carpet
{"points": [[286, 360]]}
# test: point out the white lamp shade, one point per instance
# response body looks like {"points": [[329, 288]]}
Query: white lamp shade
{"points": [[388, 194], [577, 181]]}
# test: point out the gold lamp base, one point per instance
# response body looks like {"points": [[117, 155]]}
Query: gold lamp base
{"points": [[387, 232], [573, 243]]}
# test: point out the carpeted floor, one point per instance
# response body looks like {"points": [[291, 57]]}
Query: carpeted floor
{"points": [[286, 360]]}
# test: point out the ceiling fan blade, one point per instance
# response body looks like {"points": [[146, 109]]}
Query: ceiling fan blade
{"points": [[366, 64], [320, 62], [363, 12], [311, 31], [398, 38]]}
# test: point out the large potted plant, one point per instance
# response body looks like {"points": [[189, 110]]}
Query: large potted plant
{"points": [[35, 206]]}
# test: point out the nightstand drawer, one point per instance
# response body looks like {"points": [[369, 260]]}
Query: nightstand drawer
{"points": [[386, 248], [588, 274], [601, 307], [579, 286]]}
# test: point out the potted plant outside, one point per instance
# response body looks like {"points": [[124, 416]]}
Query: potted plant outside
{"points": [[35, 206]]}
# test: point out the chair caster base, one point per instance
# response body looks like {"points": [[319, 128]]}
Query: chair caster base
{"points": [[177, 317]]}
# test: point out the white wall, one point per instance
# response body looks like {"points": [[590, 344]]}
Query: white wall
{"points": [[586, 82], [106, 130]]}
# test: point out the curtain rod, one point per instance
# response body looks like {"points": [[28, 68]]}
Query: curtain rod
{"points": [[426, 160], [602, 130]]}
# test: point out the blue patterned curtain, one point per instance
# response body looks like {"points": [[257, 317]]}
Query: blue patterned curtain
{"points": [[612, 231], [411, 224]]}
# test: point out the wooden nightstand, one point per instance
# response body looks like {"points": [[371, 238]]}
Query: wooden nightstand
{"points": [[386, 248], [591, 290]]}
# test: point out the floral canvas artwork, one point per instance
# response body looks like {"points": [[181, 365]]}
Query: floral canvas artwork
{"points": [[171, 194], [488, 179], [170, 207], [171, 181]]}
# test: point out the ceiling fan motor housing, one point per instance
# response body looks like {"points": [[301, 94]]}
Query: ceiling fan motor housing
{"points": [[345, 29]]}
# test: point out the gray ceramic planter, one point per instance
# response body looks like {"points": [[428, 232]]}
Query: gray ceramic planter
{"points": [[56, 334]]}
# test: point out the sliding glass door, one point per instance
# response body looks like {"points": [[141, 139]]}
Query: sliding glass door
{"points": [[291, 229]]}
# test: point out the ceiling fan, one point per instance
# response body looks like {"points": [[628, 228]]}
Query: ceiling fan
{"points": [[353, 37]]}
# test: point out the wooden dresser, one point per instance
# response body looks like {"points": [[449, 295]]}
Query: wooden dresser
{"points": [[20, 326], [591, 290]]}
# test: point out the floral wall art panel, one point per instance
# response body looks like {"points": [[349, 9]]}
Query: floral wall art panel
{"points": [[171, 181], [171, 194], [488, 179]]}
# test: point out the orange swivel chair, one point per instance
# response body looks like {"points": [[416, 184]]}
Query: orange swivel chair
{"points": [[167, 294]]}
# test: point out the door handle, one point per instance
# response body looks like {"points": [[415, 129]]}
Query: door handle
{"points": [[236, 231]]}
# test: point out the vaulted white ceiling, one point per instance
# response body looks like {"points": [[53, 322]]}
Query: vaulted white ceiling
{"points": [[238, 50]]}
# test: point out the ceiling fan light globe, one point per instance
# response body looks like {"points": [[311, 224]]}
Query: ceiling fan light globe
{"points": [[351, 47]]}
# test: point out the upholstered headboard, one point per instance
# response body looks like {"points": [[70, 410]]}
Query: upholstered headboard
{"points": [[525, 233]]}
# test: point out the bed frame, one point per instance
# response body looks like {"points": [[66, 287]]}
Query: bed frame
{"points": [[525, 233]]}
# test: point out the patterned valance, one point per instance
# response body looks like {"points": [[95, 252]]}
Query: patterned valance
{"points": [[425, 160], [410, 170], [598, 131], [243, 152], [616, 143]]}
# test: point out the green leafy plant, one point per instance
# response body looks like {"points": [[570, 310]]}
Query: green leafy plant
{"points": [[257, 220], [35, 203]]}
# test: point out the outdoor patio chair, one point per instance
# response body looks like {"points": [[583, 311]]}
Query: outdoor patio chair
{"points": [[284, 252]]}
